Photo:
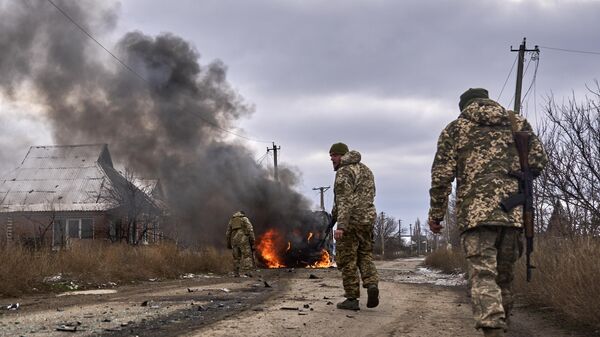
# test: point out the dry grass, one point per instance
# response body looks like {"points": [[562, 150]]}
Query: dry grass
{"points": [[447, 260], [567, 278], [23, 271]]}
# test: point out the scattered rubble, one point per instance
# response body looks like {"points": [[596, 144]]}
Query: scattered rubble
{"points": [[13, 306], [53, 279], [289, 308]]}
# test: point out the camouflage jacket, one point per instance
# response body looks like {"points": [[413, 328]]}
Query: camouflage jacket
{"points": [[354, 192], [239, 223], [478, 150]]}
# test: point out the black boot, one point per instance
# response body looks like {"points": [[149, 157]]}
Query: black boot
{"points": [[349, 304], [493, 332], [372, 296]]}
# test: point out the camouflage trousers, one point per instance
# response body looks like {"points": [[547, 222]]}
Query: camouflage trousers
{"points": [[491, 253], [354, 253], [242, 254]]}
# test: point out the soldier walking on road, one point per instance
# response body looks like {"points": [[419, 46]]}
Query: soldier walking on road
{"points": [[354, 193], [479, 151], [240, 238]]}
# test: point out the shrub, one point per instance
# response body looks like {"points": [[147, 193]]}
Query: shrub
{"points": [[447, 260], [22, 270], [566, 278]]}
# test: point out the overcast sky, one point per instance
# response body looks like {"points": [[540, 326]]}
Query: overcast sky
{"points": [[382, 76]]}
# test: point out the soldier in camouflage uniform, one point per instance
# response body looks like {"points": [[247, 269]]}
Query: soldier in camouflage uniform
{"points": [[354, 191], [478, 150], [240, 238]]}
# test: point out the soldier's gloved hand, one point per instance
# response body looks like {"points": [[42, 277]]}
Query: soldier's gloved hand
{"points": [[434, 226], [338, 233]]}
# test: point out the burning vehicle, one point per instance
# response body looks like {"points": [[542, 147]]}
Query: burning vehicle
{"points": [[308, 245]]}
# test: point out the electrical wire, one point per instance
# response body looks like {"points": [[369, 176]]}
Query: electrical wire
{"points": [[535, 57], [261, 159], [572, 50], [126, 66], [535, 94], [507, 77], [533, 79]]}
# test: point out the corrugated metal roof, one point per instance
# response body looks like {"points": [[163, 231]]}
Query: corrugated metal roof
{"points": [[60, 178], [66, 156]]}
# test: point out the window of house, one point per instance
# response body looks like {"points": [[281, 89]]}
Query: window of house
{"points": [[73, 228], [80, 228], [58, 232], [87, 229]]}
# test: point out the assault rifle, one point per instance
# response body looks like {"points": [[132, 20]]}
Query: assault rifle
{"points": [[323, 241], [525, 195]]}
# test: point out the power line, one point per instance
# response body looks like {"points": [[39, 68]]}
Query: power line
{"points": [[97, 42], [507, 77], [261, 159], [126, 66], [525, 72], [537, 63], [572, 50]]}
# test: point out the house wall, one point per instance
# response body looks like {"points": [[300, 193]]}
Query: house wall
{"points": [[58, 229], [43, 228]]}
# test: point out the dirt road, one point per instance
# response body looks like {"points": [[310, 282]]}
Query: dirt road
{"points": [[285, 302]]}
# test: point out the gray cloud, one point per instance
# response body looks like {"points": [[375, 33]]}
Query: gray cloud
{"points": [[293, 59], [169, 125]]}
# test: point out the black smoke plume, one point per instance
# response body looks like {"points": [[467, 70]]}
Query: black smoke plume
{"points": [[167, 124]]}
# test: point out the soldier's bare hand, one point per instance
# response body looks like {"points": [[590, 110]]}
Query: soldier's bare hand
{"points": [[435, 226], [338, 233]]}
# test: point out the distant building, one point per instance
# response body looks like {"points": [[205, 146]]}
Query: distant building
{"points": [[60, 195]]}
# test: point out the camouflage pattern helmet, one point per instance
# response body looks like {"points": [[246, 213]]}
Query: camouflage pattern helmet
{"points": [[470, 95]]}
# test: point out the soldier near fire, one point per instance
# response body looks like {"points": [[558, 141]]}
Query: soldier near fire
{"points": [[478, 149], [354, 211], [240, 238]]}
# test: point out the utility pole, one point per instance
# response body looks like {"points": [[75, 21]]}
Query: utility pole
{"points": [[522, 49], [418, 230], [322, 190], [399, 236], [274, 149], [411, 238], [400, 229]]}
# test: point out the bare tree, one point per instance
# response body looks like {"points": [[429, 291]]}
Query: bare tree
{"points": [[571, 135], [384, 230], [133, 206]]}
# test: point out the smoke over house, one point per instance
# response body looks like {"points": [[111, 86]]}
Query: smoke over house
{"points": [[169, 124]]}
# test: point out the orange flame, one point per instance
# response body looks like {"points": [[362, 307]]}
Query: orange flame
{"points": [[267, 250], [324, 262], [310, 235]]}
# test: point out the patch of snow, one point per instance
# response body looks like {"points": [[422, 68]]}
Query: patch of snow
{"points": [[431, 276], [88, 292]]}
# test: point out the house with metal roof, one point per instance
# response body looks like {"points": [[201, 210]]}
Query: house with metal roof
{"points": [[72, 193]]}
